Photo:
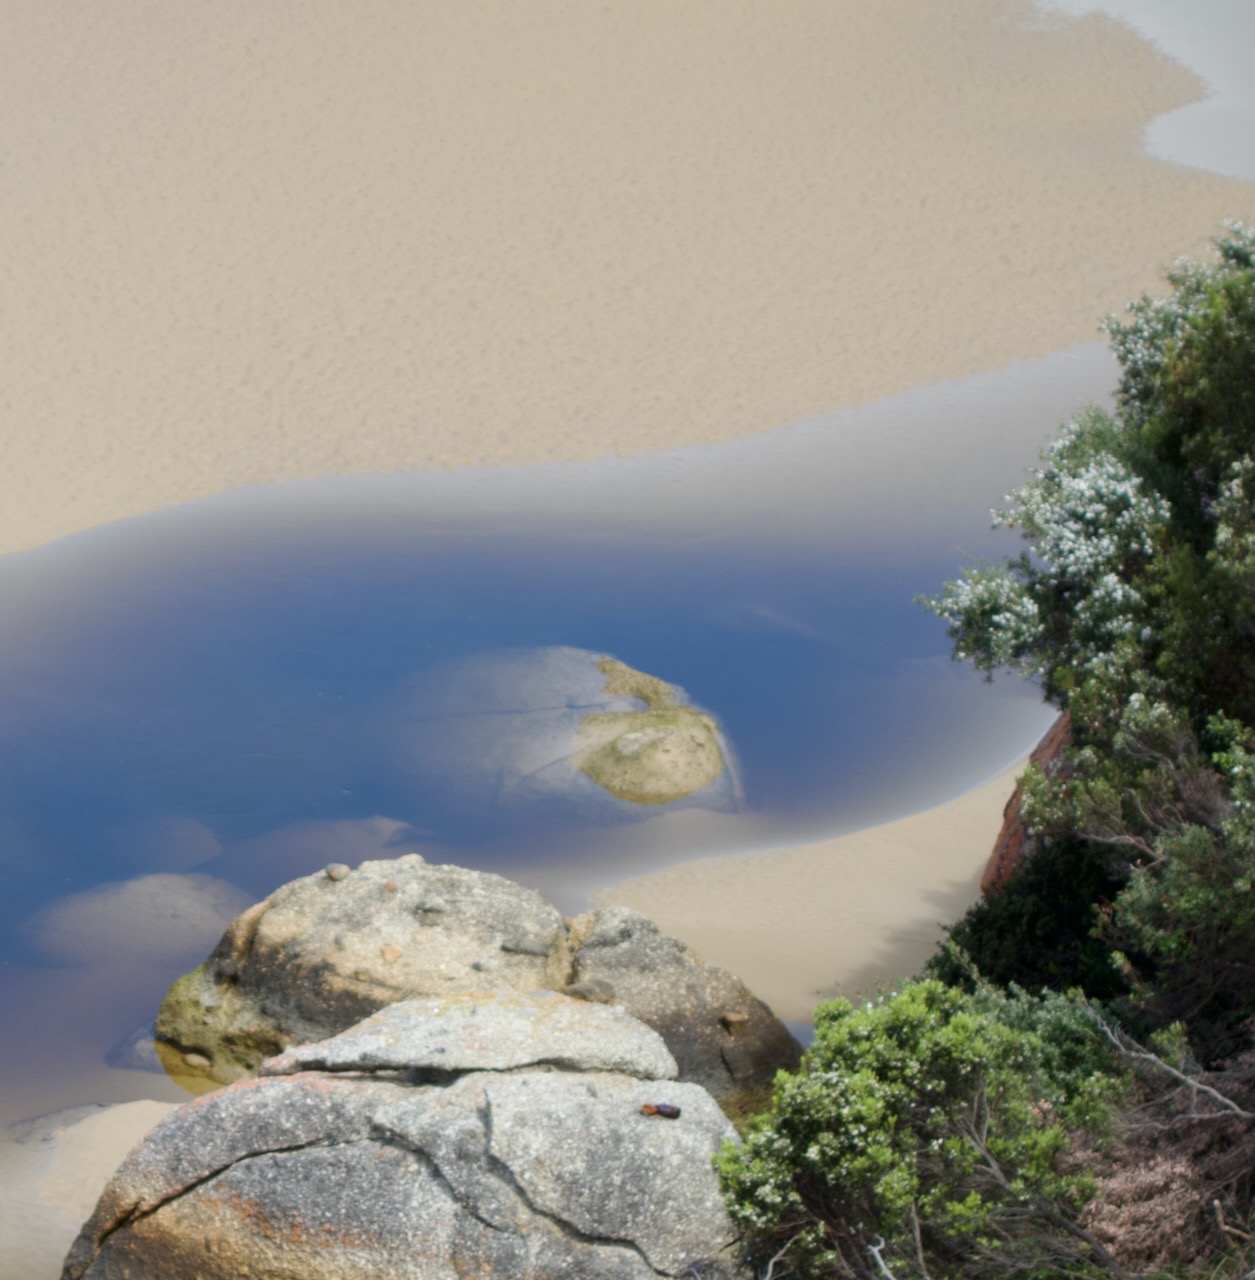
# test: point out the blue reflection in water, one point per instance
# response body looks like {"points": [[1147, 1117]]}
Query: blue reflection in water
{"points": [[232, 687], [204, 710]]}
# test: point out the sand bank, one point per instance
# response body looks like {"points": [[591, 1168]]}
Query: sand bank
{"points": [[839, 917], [250, 243]]}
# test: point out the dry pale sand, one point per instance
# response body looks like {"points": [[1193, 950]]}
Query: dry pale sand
{"points": [[840, 917], [53, 1178], [245, 243]]}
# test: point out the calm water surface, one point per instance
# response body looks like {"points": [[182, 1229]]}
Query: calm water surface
{"points": [[224, 692], [161, 723]]}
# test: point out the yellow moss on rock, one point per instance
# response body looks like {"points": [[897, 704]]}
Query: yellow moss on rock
{"points": [[655, 756]]}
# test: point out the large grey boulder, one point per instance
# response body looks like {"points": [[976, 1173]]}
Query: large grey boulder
{"points": [[323, 952], [388, 1163], [723, 1037]]}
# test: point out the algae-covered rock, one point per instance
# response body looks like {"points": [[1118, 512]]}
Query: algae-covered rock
{"points": [[655, 756], [327, 950]]}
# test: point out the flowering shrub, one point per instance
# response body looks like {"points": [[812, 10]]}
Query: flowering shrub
{"points": [[1140, 568], [1134, 603], [926, 1136], [922, 1137]]}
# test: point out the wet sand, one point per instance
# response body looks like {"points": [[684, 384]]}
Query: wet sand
{"points": [[843, 917], [247, 244]]}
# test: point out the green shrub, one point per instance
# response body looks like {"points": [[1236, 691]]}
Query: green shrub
{"points": [[922, 1138], [1039, 932], [1134, 604]]}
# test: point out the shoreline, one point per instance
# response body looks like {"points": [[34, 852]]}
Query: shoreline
{"points": [[496, 250], [842, 916]]}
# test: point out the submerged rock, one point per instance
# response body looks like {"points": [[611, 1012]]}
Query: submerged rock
{"points": [[182, 915], [656, 756], [560, 726], [326, 951], [372, 1155]]}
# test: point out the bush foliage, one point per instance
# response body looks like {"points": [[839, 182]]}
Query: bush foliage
{"points": [[1135, 605], [923, 1136]]}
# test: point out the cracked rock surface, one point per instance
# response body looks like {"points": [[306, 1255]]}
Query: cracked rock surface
{"points": [[382, 1169], [323, 952]]}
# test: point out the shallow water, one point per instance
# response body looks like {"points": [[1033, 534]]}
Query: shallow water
{"points": [[234, 688], [225, 690], [168, 725], [1212, 38]]}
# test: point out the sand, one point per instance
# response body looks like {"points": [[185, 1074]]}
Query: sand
{"points": [[53, 1177], [248, 243], [841, 917]]}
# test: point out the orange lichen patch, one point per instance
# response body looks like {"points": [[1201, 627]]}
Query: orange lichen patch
{"points": [[1014, 846], [314, 1081], [391, 953], [249, 1213]]}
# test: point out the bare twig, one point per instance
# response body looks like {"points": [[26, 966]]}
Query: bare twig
{"points": [[874, 1249], [1047, 1213], [1225, 1227], [1129, 1048], [778, 1256], [1127, 842], [919, 1244]]}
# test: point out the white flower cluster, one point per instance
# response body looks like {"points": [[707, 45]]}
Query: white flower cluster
{"points": [[1090, 521], [1235, 518], [991, 607], [1095, 525]]}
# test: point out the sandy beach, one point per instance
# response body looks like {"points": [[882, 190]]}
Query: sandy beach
{"points": [[245, 244], [252, 244]]}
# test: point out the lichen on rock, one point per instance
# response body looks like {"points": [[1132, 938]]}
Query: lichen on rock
{"points": [[655, 756], [326, 951]]}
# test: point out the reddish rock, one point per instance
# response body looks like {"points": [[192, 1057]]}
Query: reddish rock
{"points": [[1014, 846]]}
